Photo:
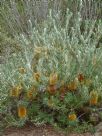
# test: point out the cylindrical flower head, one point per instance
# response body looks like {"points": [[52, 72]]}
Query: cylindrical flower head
{"points": [[93, 101], [14, 92], [37, 76], [30, 94], [72, 86], [52, 89], [93, 97], [72, 117], [53, 78], [22, 112]]}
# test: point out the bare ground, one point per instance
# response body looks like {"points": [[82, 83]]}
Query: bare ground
{"points": [[38, 131]]}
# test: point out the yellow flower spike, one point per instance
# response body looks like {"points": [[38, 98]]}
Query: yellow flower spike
{"points": [[22, 70], [53, 78], [72, 117], [14, 92], [22, 112], [93, 97], [30, 94], [72, 86], [37, 76], [93, 94]]}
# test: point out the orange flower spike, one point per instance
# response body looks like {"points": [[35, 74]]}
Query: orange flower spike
{"points": [[81, 77], [93, 98], [22, 112], [52, 89], [37, 76], [22, 70], [53, 78], [93, 101], [62, 89], [72, 117]]}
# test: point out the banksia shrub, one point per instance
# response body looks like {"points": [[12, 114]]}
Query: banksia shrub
{"points": [[56, 70]]}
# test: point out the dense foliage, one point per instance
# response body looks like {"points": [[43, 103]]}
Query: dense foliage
{"points": [[56, 76]]}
